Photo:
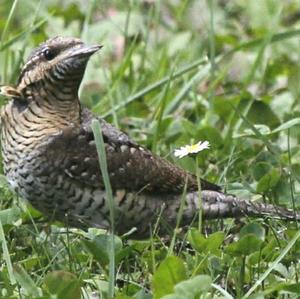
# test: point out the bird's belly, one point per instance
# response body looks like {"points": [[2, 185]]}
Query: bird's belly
{"points": [[12, 183], [59, 197]]}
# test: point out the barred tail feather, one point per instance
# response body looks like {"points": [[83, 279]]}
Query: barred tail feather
{"points": [[219, 205], [142, 211]]}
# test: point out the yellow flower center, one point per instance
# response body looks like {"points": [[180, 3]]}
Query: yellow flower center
{"points": [[193, 147]]}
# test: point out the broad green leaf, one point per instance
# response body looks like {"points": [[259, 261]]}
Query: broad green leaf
{"points": [[260, 169], [203, 245], [246, 245], [170, 272], [63, 284], [139, 295], [215, 263], [142, 295], [191, 288], [211, 134], [268, 181], [260, 113], [99, 247], [9, 216], [194, 286], [214, 241], [197, 240], [255, 229]]}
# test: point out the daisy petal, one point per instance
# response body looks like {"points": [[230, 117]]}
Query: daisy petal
{"points": [[191, 149]]}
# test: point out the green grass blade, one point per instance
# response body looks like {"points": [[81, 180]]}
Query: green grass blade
{"points": [[273, 265], [116, 78], [256, 42], [21, 35], [212, 42], [244, 46], [11, 12], [263, 46], [200, 75], [87, 19], [26, 282], [157, 85], [260, 136], [222, 291], [6, 255], [109, 197], [179, 217], [160, 112]]}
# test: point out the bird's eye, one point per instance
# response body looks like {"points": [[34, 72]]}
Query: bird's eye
{"points": [[48, 54]]}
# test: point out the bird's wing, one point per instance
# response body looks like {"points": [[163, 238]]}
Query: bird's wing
{"points": [[130, 166]]}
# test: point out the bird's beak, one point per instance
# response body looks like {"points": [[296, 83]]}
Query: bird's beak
{"points": [[84, 50]]}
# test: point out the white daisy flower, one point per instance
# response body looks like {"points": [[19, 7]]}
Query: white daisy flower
{"points": [[191, 149]]}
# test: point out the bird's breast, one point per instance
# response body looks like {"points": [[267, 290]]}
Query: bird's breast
{"points": [[41, 181], [22, 141]]}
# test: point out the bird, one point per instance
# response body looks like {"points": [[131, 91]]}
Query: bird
{"points": [[50, 157]]}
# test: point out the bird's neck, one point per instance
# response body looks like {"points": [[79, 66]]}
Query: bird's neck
{"points": [[55, 104]]}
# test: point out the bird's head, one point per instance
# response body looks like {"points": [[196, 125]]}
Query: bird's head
{"points": [[57, 64]]}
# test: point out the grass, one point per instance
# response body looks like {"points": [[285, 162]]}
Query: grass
{"points": [[103, 166], [153, 80]]}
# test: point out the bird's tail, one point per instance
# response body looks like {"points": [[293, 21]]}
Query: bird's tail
{"points": [[217, 205], [143, 210]]}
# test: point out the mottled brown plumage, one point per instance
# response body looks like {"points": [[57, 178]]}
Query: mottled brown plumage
{"points": [[50, 157]]}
